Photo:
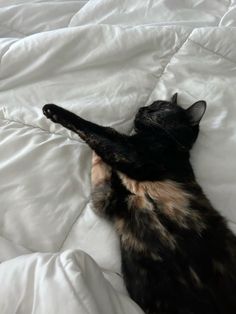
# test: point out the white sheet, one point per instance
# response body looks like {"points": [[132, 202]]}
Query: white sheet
{"points": [[102, 61]]}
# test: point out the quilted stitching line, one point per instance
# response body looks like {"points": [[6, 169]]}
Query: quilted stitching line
{"points": [[44, 130], [13, 30], [168, 63], [85, 3], [72, 225], [17, 244], [212, 51]]}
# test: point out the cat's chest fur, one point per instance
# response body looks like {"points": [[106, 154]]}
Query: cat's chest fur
{"points": [[152, 207]]}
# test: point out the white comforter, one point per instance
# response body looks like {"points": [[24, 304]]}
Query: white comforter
{"points": [[101, 59]]}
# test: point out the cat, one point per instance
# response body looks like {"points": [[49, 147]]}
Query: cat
{"points": [[178, 255]]}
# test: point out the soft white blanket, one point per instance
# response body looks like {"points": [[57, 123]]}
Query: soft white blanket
{"points": [[102, 59]]}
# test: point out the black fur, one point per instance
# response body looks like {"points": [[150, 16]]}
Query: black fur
{"points": [[178, 255]]}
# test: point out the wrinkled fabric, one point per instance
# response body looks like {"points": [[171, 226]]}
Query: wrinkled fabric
{"points": [[70, 282], [102, 60]]}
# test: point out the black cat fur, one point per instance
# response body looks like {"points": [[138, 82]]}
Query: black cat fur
{"points": [[178, 255]]}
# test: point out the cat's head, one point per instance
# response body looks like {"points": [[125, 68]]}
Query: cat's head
{"points": [[181, 125]]}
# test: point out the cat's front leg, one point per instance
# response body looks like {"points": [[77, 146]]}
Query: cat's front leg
{"points": [[66, 118], [116, 149], [101, 185]]}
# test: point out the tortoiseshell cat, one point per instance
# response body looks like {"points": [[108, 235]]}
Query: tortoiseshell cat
{"points": [[178, 255]]}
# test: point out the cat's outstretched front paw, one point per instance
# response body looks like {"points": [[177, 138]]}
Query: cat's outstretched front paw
{"points": [[59, 115], [52, 112]]}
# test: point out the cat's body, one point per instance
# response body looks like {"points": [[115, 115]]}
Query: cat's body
{"points": [[178, 255]]}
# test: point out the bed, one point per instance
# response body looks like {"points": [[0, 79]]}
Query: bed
{"points": [[102, 60]]}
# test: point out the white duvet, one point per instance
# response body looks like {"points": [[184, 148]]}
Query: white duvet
{"points": [[101, 59]]}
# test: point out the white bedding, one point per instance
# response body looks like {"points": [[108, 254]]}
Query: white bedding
{"points": [[102, 59]]}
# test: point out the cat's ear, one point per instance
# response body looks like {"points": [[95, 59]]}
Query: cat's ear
{"points": [[196, 112], [174, 99]]}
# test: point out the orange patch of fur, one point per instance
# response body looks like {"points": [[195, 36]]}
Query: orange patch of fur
{"points": [[100, 171], [140, 202], [171, 199], [129, 241]]}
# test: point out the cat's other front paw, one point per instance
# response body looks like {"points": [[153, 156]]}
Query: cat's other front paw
{"points": [[100, 172]]}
